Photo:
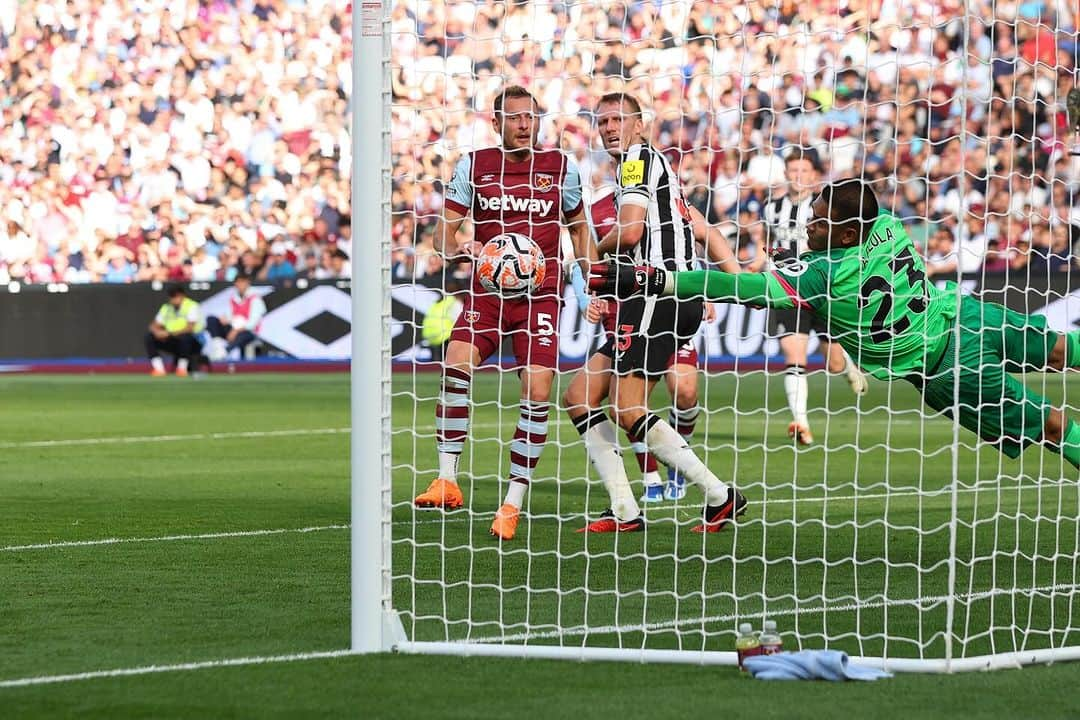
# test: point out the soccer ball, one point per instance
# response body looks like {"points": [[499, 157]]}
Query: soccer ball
{"points": [[510, 265]]}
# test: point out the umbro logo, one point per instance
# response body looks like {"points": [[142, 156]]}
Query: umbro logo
{"points": [[487, 178]]}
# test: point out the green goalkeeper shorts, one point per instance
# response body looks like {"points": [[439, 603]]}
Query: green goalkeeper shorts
{"points": [[994, 341]]}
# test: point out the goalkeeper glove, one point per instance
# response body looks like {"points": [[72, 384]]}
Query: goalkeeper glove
{"points": [[624, 281]]}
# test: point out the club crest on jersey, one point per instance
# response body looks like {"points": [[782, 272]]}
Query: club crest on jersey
{"points": [[471, 316], [543, 182], [633, 173]]}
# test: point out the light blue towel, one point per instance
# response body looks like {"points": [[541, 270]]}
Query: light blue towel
{"points": [[809, 665]]}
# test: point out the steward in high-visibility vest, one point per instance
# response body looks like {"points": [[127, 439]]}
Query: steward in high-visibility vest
{"points": [[175, 330]]}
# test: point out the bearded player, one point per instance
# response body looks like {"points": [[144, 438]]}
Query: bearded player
{"points": [[516, 188], [865, 278]]}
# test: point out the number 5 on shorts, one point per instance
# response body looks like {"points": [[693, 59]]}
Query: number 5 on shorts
{"points": [[543, 324]]}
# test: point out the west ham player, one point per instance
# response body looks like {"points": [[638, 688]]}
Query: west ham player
{"points": [[653, 228], [864, 276], [786, 219], [514, 188], [682, 370]]}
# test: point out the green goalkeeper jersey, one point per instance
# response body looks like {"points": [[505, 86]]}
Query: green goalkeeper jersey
{"points": [[874, 298]]}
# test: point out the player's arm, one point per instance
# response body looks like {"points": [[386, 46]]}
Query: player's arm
{"points": [[627, 232], [716, 245], [581, 237], [457, 201], [576, 214], [635, 192], [446, 231], [754, 289]]}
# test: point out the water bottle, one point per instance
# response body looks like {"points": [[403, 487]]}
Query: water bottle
{"points": [[746, 644], [770, 640]]}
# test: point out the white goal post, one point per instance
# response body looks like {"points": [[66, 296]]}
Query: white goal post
{"points": [[898, 537], [374, 625]]}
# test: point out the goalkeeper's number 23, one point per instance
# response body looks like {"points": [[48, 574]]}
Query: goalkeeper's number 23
{"points": [[880, 331]]}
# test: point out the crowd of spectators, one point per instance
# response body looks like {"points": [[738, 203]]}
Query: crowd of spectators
{"points": [[174, 140], [954, 108], [186, 139]]}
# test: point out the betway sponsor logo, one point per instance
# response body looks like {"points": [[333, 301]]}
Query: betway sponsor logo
{"points": [[533, 206]]}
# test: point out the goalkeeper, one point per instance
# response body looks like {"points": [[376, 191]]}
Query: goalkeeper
{"points": [[864, 278]]}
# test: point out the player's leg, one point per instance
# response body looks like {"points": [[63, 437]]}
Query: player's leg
{"points": [[988, 400], [451, 425], [1028, 344], [629, 394], [654, 485], [532, 327], [650, 471], [530, 436], [682, 383], [637, 368], [474, 337], [793, 347], [583, 400]]}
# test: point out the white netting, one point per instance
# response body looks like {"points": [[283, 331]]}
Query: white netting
{"points": [[880, 538]]}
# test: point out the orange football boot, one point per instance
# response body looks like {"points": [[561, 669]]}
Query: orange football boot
{"points": [[505, 523], [441, 493]]}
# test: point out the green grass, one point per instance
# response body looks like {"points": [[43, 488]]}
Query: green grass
{"points": [[846, 541]]}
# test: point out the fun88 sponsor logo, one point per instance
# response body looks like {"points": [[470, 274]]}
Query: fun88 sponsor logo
{"points": [[532, 206]]}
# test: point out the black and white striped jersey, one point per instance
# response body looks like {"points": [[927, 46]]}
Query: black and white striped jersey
{"points": [[647, 180], [786, 221]]}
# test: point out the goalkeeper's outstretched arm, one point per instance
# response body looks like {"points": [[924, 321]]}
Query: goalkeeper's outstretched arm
{"points": [[755, 289]]}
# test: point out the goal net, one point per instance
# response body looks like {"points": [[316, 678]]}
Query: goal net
{"points": [[895, 534]]}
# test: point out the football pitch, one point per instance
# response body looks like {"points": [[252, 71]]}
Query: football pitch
{"points": [[201, 528]]}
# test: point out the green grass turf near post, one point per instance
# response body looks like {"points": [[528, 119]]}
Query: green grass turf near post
{"points": [[863, 514]]}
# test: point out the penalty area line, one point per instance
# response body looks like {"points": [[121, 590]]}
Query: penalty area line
{"points": [[179, 667]]}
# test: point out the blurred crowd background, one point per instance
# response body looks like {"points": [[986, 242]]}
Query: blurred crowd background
{"points": [[958, 119], [174, 139], [189, 139]]}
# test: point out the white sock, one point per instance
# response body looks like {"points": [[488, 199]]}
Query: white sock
{"points": [[448, 463], [157, 363], [603, 450], [515, 494], [671, 448], [653, 479], [796, 389], [181, 364]]}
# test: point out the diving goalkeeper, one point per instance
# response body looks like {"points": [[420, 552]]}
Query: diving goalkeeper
{"points": [[865, 279]]}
